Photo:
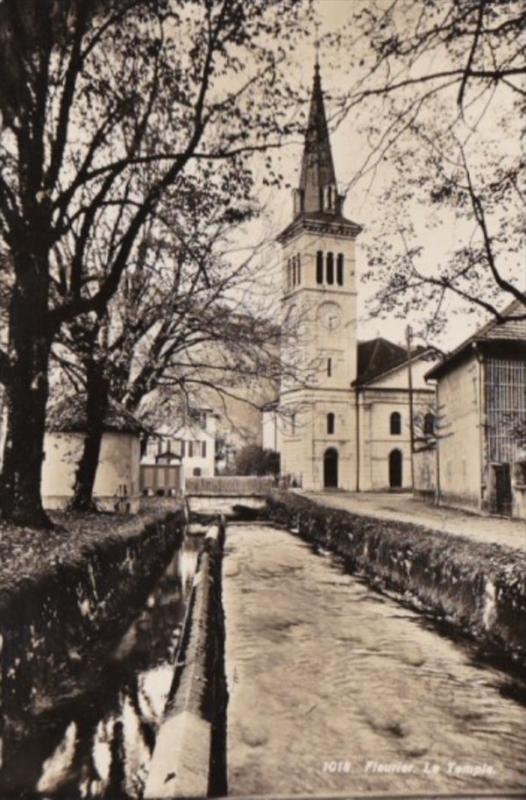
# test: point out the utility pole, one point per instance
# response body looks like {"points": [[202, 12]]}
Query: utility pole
{"points": [[409, 335]]}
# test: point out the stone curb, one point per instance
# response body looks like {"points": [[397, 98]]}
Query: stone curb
{"points": [[180, 765]]}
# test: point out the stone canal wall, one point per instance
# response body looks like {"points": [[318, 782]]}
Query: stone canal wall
{"points": [[189, 759], [57, 623], [480, 588]]}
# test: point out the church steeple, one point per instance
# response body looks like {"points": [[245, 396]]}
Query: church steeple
{"points": [[317, 189]]}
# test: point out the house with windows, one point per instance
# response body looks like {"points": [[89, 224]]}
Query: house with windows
{"points": [[185, 449], [481, 418], [343, 415]]}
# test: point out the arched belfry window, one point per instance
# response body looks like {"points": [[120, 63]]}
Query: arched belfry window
{"points": [[298, 259], [339, 269], [396, 423], [329, 367], [330, 268], [330, 423], [319, 267]]}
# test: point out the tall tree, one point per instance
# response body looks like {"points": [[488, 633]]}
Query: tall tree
{"points": [[180, 320], [441, 88], [92, 90]]}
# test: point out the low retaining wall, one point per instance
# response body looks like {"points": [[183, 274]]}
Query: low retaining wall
{"points": [[189, 759], [53, 625], [478, 587]]}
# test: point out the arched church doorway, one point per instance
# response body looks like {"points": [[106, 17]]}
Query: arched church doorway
{"points": [[395, 469], [330, 468]]}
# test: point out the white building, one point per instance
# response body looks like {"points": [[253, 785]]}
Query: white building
{"points": [[117, 478], [191, 444], [481, 432], [343, 419]]}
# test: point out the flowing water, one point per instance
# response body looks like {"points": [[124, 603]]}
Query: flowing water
{"points": [[334, 687], [100, 744]]}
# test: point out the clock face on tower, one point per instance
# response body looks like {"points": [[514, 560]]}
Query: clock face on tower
{"points": [[330, 316]]}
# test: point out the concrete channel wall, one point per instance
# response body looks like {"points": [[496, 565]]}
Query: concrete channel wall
{"points": [[51, 626], [189, 759], [479, 588]]}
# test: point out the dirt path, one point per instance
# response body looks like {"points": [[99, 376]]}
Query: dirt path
{"points": [[336, 689], [405, 508]]}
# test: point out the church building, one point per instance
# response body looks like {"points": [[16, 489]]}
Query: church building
{"points": [[342, 418]]}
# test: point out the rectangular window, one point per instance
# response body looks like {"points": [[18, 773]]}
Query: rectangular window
{"points": [[190, 449], [203, 449], [319, 267], [183, 448], [339, 269], [330, 269], [329, 367]]}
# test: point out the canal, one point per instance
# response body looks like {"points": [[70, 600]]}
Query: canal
{"points": [[99, 743], [335, 688]]}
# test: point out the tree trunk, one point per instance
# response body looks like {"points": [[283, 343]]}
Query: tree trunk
{"points": [[97, 388], [26, 394]]}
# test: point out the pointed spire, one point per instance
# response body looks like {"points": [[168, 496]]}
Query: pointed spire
{"points": [[318, 180]]}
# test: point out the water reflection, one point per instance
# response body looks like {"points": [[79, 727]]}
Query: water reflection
{"points": [[102, 745]]}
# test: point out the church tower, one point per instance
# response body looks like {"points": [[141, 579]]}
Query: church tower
{"points": [[319, 320]]}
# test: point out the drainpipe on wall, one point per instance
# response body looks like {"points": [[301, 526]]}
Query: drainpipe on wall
{"points": [[409, 334], [482, 417], [437, 449]]}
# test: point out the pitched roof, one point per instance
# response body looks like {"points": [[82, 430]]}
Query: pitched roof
{"points": [[512, 329], [509, 330], [378, 356], [69, 416]]}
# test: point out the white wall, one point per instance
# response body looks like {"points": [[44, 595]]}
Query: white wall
{"points": [[381, 398], [376, 439], [302, 452], [118, 468], [270, 434], [460, 442]]}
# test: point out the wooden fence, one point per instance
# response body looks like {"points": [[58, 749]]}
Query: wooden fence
{"points": [[160, 479]]}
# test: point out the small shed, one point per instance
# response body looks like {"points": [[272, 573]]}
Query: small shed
{"points": [[117, 480]]}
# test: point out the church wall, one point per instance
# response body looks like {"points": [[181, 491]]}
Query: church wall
{"points": [[303, 452], [306, 320], [398, 378], [376, 439], [319, 344]]}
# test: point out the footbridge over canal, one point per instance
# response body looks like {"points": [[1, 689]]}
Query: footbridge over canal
{"points": [[227, 495]]}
